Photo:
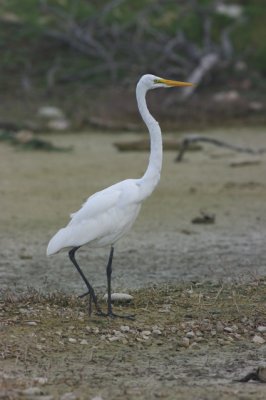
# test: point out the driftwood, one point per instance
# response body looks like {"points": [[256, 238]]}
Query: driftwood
{"points": [[192, 139], [144, 145]]}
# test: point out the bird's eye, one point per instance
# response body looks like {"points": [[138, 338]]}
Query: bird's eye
{"points": [[156, 81]]}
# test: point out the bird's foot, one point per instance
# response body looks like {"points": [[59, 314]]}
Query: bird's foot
{"points": [[92, 300], [83, 295], [110, 314]]}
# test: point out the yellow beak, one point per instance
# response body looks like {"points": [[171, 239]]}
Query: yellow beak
{"points": [[175, 83]]}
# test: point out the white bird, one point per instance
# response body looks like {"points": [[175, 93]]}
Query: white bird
{"points": [[108, 215]]}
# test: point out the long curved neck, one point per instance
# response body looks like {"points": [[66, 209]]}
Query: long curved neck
{"points": [[152, 175]]}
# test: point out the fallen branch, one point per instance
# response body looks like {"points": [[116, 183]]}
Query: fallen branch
{"points": [[188, 140]]}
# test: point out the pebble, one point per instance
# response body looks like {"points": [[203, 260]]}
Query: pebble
{"points": [[195, 346], [185, 342], [31, 323], [124, 328], [68, 396], [31, 391], [258, 339], [72, 340], [237, 336], [145, 337], [190, 334], [83, 341], [41, 380], [146, 333], [156, 332], [228, 329], [119, 298], [114, 338], [199, 333], [261, 329]]}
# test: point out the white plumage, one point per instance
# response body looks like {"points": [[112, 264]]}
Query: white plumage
{"points": [[109, 214], [102, 220]]}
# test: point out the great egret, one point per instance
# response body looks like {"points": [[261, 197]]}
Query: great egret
{"points": [[109, 214]]}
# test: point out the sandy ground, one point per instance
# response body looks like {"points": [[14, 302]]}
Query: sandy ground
{"points": [[39, 190]]}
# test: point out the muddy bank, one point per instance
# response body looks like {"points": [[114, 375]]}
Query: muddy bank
{"points": [[39, 190]]}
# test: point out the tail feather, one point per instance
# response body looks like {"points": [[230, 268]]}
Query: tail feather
{"points": [[58, 242]]}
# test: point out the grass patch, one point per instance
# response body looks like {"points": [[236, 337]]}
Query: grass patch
{"points": [[49, 339]]}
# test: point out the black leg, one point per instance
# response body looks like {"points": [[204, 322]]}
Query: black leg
{"points": [[109, 293], [90, 288], [109, 276]]}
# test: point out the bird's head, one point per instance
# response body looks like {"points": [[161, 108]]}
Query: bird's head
{"points": [[154, 82]]}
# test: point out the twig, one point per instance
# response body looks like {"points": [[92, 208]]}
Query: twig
{"points": [[217, 142]]}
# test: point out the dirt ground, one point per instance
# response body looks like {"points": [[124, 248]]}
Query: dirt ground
{"points": [[39, 190]]}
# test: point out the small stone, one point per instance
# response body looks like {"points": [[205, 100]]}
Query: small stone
{"points": [[119, 298], [195, 346], [261, 329], [190, 334], [199, 333], [41, 380], [113, 338], [32, 391], [68, 396], [156, 332], [72, 340], [83, 341], [237, 336], [146, 333], [31, 323], [258, 339], [228, 329], [124, 328], [145, 337], [185, 342]]}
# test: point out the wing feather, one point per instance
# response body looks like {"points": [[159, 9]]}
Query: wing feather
{"points": [[96, 204]]}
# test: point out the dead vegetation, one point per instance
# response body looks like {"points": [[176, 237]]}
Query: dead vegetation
{"points": [[51, 347]]}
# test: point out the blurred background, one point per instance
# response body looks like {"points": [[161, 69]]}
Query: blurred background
{"points": [[85, 57]]}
